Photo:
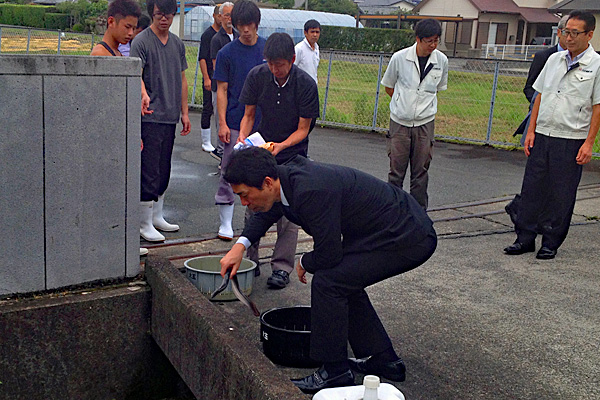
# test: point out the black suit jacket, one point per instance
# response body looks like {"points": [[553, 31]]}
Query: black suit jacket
{"points": [[539, 60], [344, 210]]}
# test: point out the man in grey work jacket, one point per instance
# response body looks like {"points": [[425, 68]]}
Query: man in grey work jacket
{"points": [[412, 79]]}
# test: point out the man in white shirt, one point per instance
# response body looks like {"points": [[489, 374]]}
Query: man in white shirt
{"points": [[413, 78], [564, 123], [307, 51]]}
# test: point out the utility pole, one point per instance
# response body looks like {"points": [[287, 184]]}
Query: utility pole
{"points": [[181, 18]]}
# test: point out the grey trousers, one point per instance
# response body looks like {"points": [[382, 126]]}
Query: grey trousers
{"points": [[220, 144], [284, 252], [412, 145]]}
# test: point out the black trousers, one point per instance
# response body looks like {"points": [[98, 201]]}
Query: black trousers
{"points": [[207, 108], [549, 190], [341, 311], [156, 159]]}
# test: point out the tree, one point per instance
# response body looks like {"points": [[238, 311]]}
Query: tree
{"points": [[84, 13], [288, 4], [333, 6]]}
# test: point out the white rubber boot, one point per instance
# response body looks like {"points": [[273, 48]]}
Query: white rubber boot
{"points": [[147, 230], [143, 251], [206, 144], [226, 215], [157, 217]]}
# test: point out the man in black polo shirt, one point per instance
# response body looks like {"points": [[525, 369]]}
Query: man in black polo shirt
{"points": [[289, 103], [206, 66], [225, 35]]}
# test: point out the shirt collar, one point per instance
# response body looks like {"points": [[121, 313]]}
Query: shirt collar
{"points": [[559, 47], [283, 199], [308, 45], [412, 55], [286, 81], [571, 61]]}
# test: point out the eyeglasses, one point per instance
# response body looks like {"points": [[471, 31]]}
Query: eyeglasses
{"points": [[160, 15], [431, 41], [573, 34]]}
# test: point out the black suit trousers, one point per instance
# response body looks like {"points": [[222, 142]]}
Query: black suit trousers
{"points": [[341, 311], [549, 190]]}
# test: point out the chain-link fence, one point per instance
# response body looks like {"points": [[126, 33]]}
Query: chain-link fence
{"points": [[19, 40], [484, 102]]}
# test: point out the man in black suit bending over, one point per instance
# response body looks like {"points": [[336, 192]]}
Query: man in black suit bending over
{"points": [[364, 231]]}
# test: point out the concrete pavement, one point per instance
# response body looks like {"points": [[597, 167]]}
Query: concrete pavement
{"points": [[471, 323]]}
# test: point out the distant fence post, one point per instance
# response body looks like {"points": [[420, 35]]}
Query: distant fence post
{"points": [[196, 78], [377, 93], [327, 86], [92, 48], [28, 39], [492, 102], [0, 39], [58, 48]]}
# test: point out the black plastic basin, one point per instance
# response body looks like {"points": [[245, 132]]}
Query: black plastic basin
{"points": [[285, 335]]}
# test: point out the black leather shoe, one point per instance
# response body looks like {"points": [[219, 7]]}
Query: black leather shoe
{"points": [[393, 371], [518, 248], [545, 253], [320, 379]]}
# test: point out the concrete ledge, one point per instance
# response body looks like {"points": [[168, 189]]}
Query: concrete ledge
{"points": [[43, 64], [204, 345], [92, 344]]}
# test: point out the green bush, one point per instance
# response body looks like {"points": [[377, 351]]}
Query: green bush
{"points": [[78, 28], [56, 21], [365, 39], [23, 15]]}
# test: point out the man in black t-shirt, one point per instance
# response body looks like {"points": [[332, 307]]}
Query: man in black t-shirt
{"points": [[289, 102], [206, 66]]}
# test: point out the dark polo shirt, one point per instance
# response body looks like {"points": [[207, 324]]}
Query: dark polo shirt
{"points": [[282, 106], [218, 41], [204, 53]]}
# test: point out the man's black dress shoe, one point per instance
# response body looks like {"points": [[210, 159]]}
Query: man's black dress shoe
{"points": [[518, 248], [393, 371], [545, 253], [320, 379]]}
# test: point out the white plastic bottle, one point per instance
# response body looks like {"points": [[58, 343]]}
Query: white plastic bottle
{"points": [[255, 139], [371, 389]]}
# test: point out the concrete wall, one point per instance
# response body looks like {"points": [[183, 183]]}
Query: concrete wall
{"points": [[94, 345], [70, 151], [213, 358]]}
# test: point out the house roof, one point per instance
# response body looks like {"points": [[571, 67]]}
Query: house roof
{"points": [[385, 3], [529, 14], [538, 15], [496, 6], [570, 5]]}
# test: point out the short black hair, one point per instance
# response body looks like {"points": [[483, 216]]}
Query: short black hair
{"points": [[586, 16], [245, 12], [144, 21], [250, 167], [427, 28], [311, 24], [123, 8], [279, 46], [165, 6]]}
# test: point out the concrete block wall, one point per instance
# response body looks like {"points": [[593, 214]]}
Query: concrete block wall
{"points": [[70, 151]]}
